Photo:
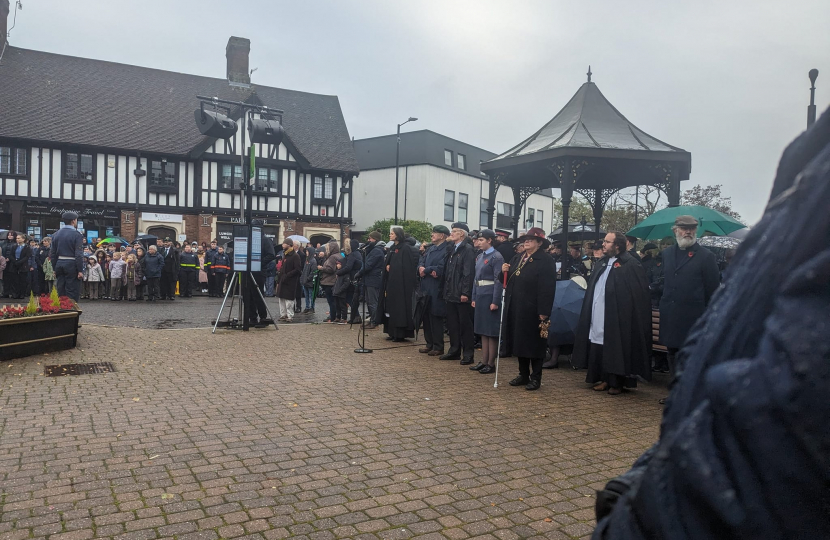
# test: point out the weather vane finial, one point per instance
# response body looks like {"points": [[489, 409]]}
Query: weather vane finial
{"points": [[589, 73]]}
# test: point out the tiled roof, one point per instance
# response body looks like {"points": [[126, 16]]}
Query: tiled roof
{"points": [[65, 99]]}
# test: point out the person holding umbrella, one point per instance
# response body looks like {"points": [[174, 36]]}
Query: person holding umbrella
{"points": [[531, 287], [487, 300]]}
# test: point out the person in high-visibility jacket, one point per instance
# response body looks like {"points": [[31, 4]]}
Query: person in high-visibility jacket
{"points": [[221, 268], [189, 272]]}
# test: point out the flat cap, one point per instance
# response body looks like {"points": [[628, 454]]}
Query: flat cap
{"points": [[374, 235], [459, 225], [486, 233], [650, 245], [441, 229], [69, 216], [685, 221]]}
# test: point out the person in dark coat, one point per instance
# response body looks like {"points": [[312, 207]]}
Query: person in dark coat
{"points": [[743, 447], [630, 246], [291, 269], [371, 276], [457, 292], [431, 271], [153, 265], [690, 278], [504, 246], [255, 309], [221, 267], [486, 303], [347, 269], [171, 270], [9, 277], [67, 255], [613, 337], [19, 264], [395, 306], [528, 301], [189, 273]]}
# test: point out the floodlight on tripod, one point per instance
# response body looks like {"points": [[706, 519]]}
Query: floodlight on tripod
{"points": [[213, 123]]}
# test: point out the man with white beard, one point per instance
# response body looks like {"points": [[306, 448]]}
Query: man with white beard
{"points": [[691, 277]]}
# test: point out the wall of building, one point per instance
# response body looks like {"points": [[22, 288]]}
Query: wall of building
{"points": [[421, 193]]}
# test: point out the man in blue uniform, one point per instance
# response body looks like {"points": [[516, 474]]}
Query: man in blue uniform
{"points": [[67, 255]]}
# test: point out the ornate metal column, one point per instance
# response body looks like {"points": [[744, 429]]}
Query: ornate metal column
{"points": [[495, 183]]}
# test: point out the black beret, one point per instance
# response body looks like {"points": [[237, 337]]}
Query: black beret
{"points": [[462, 226]]}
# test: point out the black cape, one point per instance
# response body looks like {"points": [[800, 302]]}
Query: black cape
{"points": [[626, 347], [398, 292], [527, 296]]}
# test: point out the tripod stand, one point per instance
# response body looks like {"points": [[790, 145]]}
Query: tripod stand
{"points": [[237, 323], [361, 340]]}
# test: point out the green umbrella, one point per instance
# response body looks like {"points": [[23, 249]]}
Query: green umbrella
{"points": [[658, 225], [113, 240]]}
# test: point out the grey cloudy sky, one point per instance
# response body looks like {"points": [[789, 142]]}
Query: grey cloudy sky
{"points": [[725, 80]]}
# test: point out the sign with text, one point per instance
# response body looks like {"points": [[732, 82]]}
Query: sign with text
{"points": [[240, 248], [256, 249], [164, 218]]}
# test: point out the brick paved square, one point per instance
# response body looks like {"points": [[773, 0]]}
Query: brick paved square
{"points": [[288, 433]]}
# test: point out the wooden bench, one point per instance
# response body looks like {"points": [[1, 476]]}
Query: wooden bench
{"points": [[655, 332]]}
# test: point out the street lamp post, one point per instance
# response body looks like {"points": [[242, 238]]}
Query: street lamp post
{"points": [[397, 159], [811, 109]]}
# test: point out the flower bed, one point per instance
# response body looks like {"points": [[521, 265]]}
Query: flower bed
{"points": [[46, 324]]}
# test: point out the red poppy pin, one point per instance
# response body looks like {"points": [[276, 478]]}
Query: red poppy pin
{"points": [[486, 260], [396, 251], [616, 265], [691, 254]]}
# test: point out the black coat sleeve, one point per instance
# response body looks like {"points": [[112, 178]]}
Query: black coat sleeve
{"points": [[468, 273]]}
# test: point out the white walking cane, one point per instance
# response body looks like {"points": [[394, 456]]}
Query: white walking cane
{"points": [[498, 344]]}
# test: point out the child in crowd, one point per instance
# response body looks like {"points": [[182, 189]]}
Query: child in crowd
{"points": [[132, 276], [116, 271], [48, 275], [93, 277]]}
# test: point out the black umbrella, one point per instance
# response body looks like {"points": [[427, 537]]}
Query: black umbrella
{"points": [[422, 302], [577, 232], [146, 240], [564, 317]]}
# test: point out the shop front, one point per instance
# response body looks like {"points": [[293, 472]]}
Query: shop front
{"points": [[41, 219]]}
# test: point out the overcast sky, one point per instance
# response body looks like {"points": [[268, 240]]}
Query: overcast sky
{"points": [[726, 81]]}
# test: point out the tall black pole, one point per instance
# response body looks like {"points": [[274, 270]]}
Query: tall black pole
{"points": [[245, 202], [397, 158], [811, 109]]}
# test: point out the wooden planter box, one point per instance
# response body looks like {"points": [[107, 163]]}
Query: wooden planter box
{"points": [[25, 336]]}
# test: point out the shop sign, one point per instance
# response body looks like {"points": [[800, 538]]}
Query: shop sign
{"points": [[165, 218], [240, 220], [45, 209]]}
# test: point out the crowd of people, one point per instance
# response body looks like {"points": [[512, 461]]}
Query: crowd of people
{"points": [[454, 285]]}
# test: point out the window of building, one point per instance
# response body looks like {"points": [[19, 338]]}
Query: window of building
{"points": [[231, 177], [531, 218], [449, 205], [462, 207], [484, 215], [448, 158], [13, 160], [462, 161], [324, 188], [540, 218], [504, 215], [78, 167], [162, 175], [268, 179]]}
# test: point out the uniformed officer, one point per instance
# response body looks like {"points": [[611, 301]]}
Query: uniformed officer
{"points": [[67, 255]]}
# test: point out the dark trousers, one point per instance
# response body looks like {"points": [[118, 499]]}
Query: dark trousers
{"points": [[372, 294], [153, 288], [187, 282], [460, 325], [168, 285], [21, 287], [67, 280], [434, 332], [330, 298], [597, 374], [254, 304], [525, 365], [670, 358]]}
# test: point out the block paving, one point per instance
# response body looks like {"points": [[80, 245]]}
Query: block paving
{"points": [[289, 434]]}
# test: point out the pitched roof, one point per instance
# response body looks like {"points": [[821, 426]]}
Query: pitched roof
{"points": [[588, 120], [66, 99]]}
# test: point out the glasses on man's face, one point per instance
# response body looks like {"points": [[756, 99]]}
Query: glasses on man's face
{"points": [[607, 241]]}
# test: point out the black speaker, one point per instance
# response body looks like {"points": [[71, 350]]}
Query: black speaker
{"points": [[214, 124], [265, 131]]}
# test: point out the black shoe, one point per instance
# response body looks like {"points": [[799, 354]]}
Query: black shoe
{"points": [[533, 384], [424, 350], [478, 366], [487, 369], [519, 381], [261, 324], [449, 356], [466, 361], [390, 338], [550, 364]]}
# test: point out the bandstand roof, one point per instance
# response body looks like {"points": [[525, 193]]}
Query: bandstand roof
{"points": [[588, 126]]}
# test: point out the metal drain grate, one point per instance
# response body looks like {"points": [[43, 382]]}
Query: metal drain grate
{"points": [[78, 369]]}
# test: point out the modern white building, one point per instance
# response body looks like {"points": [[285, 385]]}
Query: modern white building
{"points": [[439, 181]]}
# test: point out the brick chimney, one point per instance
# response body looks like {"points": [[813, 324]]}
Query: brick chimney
{"points": [[237, 55], [4, 21]]}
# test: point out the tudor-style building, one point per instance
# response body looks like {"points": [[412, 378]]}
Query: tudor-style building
{"points": [[118, 144]]}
